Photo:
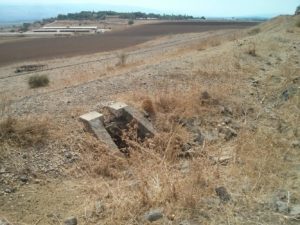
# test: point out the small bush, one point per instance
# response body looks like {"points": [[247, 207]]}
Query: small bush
{"points": [[122, 59], [23, 132], [148, 107], [36, 81], [130, 22], [254, 31], [252, 49], [298, 23]]}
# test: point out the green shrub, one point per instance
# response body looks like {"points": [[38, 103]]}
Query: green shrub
{"points": [[36, 81], [130, 22], [298, 23]]}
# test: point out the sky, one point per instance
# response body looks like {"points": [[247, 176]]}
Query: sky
{"points": [[208, 8]]}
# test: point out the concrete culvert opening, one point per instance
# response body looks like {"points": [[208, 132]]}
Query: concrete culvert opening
{"points": [[120, 126], [126, 125]]}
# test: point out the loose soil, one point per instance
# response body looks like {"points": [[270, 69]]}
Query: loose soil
{"points": [[47, 48]]}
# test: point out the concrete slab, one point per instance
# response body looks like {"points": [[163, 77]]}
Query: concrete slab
{"points": [[94, 121], [117, 108], [91, 116], [128, 113]]}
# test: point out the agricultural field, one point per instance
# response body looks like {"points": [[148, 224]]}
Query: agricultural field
{"points": [[45, 48]]}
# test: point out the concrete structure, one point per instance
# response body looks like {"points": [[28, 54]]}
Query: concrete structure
{"points": [[127, 113], [94, 121], [72, 29]]}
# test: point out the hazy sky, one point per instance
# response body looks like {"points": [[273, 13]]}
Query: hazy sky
{"points": [[222, 8]]}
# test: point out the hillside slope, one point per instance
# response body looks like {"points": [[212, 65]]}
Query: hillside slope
{"points": [[227, 114]]}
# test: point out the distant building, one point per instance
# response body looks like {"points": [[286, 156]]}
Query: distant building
{"points": [[81, 29]]}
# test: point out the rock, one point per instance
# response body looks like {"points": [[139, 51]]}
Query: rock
{"points": [[205, 95], [227, 120], [185, 167], [24, 178], [9, 190], [289, 92], [186, 147], [282, 207], [4, 222], [99, 207], [295, 211], [226, 111], [198, 137], [223, 194], [153, 215], [68, 155], [185, 222], [71, 221], [229, 133], [296, 144]]}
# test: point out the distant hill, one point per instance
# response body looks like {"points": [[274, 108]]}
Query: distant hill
{"points": [[101, 15]]}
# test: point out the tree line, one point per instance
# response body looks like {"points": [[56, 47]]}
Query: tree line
{"points": [[101, 15]]}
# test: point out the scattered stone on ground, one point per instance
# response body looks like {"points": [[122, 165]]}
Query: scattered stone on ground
{"points": [[295, 211], [4, 222], [24, 178], [223, 194], [71, 221], [154, 215]]}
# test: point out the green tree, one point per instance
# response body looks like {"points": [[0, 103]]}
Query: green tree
{"points": [[25, 27], [130, 22], [297, 10]]}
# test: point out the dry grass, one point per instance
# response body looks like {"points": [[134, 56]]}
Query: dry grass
{"points": [[158, 175], [252, 49], [23, 132], [122, 59], [254, 31]]}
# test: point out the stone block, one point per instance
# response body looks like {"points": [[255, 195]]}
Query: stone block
{"points": [[128, 113], [94, 121]]}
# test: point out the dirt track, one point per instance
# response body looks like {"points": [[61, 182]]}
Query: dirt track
{"points": [[47, 48]]}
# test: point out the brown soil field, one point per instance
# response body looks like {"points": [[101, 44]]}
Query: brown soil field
{"points": [[47, 48]]}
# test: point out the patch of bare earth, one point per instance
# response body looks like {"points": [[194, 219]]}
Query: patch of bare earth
{"points": [[226, 111]]}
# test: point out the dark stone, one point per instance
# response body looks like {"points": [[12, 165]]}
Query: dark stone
{"points": [[68, 155], [198, 137], [223, 194], [3, 222], [226, 111], [71, 221], [205, 95], [230, 133], [24, 178], [288, 93], [296, 144], [186, 147], [153, 215]]}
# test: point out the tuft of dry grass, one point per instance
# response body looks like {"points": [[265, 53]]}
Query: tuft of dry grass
{"points": [[122, 59], [254, 31], [23, 132], [147, 106], [252, 49]]}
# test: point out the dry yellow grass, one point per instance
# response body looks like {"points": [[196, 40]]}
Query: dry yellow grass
{"points": [[159, 174]]}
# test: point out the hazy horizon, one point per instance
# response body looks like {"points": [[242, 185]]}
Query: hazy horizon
{"points": [[14, 10]]}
